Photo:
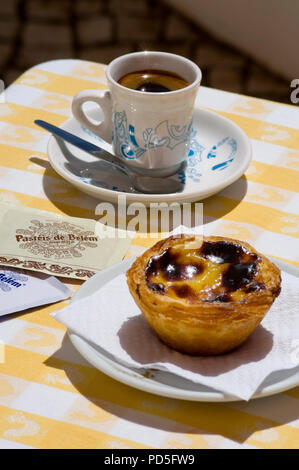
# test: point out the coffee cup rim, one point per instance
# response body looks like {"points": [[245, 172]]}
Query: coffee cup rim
{"points": [[189, 62]]}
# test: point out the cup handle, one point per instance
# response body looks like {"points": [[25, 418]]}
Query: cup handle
{"points": [[102, 98]]}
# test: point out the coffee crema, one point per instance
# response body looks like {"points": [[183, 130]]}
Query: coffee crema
{"points": [[153, 81]]}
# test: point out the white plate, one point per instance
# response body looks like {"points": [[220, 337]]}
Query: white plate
{"points": [[220, 153], [165, 383]]}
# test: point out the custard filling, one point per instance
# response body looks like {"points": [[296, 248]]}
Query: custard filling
{"points": [[216, 272]]}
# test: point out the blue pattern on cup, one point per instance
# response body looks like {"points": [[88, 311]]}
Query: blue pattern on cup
{"points": [[163, 135]]}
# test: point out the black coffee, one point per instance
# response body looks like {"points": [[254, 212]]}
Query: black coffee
{"points": [[153, 81]]}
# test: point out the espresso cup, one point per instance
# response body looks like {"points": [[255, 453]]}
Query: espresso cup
{"points": [[149, 130]]}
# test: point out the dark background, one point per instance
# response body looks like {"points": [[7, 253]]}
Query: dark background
{"points": [[34, 31]]}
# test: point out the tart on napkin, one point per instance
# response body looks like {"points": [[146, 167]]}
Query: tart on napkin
{"points": [[203, 295]]}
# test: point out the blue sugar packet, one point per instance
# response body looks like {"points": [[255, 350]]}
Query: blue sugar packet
{"points": [[20, 290]]}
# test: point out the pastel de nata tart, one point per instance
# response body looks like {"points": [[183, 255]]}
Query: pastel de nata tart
{"points": [[203, 295]]}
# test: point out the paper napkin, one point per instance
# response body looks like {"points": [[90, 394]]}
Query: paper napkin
{"points": [[20, 290], [110, 318]]}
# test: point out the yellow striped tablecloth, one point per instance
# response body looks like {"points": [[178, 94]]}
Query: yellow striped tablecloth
{"points": [[49, 396]]}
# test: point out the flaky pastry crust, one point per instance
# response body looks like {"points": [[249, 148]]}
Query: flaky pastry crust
{"points": [[194, 324]]}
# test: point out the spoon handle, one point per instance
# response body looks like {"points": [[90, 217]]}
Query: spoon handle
{"points": [[83, 144], [71, 138]]}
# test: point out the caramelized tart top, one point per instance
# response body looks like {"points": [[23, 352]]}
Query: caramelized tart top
{"points": [[220, 271]]}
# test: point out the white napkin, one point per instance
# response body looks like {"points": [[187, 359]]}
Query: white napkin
{"points": [[20, 290], [110, 318]]}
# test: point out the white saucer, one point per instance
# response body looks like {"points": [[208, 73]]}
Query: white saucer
{"points": [[165, 383], [220, 153]]}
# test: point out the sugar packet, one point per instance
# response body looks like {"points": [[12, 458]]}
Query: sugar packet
{"points": [[56, 244], [21, 289]]}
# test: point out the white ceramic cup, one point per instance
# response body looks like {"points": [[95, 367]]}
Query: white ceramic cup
{"points": [[151, 131]]}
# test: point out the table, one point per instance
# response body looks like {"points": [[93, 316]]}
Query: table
{"points": [[49, 396]]}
